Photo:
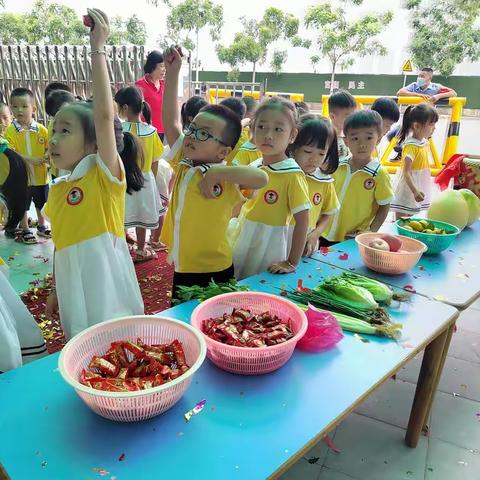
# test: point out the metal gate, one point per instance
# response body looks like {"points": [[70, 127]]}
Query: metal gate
{"points": [[34, 67]]}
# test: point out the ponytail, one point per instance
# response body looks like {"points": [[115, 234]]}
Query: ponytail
{"points": [[422, 113], [130, 155], [146, 112], [14, 190], [406, 125]]}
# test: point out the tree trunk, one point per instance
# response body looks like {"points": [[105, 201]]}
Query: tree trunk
{"points": [[332, 77], [253, 73], [196, 61]]}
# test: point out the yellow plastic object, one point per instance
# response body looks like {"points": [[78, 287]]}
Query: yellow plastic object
{"points": [[451, 144], [215, 93]]}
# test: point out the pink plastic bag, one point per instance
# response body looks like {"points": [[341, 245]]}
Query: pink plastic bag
{"points": [[323, 331]]}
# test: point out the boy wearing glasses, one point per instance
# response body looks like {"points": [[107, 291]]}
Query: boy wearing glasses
{"points": [[205, 190]]}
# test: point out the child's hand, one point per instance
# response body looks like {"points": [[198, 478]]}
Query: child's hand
{"points": [[173, 60], [210, 184], [281, 267], [419, 196], [51, 306], [310, 246], [101, 29]]}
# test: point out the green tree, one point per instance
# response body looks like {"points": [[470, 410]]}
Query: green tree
{"points": [[187, 19], [253, 43], [56, 24], [343, 41], [445, 33], [131, 31]]}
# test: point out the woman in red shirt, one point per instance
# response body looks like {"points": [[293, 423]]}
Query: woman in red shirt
{"points": [[152, 85]]}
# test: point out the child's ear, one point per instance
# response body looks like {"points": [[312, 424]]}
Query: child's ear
{"points": [[293, 135], [223, 152]]}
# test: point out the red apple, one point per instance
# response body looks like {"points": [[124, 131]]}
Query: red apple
{"points": [[88, 21], [394, 242], [379, 244]]}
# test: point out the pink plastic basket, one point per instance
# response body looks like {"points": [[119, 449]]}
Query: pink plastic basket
{"points": [[391, 263], [131, 406], [244, 360]]}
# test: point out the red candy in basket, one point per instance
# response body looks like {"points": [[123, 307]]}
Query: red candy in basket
{"points": [[242, 328], [149, 366]]}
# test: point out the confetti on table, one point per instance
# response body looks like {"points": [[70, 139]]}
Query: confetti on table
{"points": [[313, 460], [324, 250], [343, 256], [421, 267], [409, 288], [101, 471], [180, 434], [362, 339], [462, 276], [121, 458], [439, 298], [456, 394], [407, 345], [461, 462], [430, 469], [44, 464], [195, 410]]}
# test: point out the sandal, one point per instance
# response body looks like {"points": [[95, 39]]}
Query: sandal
{"points": [[44, 231], [27, 237], [130, 240], [157, 246], [144, 255], [13, 233]]}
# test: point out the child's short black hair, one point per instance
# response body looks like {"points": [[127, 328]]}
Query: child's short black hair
{"points": [[235, 104], [318, 132], [387, 108], [302, 108], [341, 100], [56, 99], [250, 103], [233, 126], [21, 92], [52, 86], [363, 119], [191, 107]]}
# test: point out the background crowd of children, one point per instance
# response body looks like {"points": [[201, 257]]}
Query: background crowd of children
{"points": [[243, 188]]}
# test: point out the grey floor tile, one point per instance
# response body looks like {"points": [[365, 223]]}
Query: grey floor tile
{"points": [[469, 320], [373, 450], [308, 467], [329, 474], [449, 462], [411, 370], [462, 377], [465, 345], [456, 420], [302, 470], [391, 403]]}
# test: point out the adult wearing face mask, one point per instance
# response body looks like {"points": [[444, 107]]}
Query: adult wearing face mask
{"points": [[424, 87]]}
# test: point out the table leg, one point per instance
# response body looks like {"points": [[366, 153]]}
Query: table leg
{"points": [[439, 375], [425, 385]]}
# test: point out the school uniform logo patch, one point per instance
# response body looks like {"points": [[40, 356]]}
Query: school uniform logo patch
{"points": [[317, 198], [369, 183], [75, 196], [217, 190], [271, 197]]}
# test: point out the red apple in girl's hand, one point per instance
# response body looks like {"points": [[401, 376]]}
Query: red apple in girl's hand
{"points": [[178, 48], [88, 21], [394, 242]]}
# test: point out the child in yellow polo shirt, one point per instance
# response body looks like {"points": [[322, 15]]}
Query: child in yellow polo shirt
{"points": [[363, 186], [5, 118], [316, 151], [30, 139], [143, 208], [205, 191], [55, 100], [94, 275], [262, 242]]}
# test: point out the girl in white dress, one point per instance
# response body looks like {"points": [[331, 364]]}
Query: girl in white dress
{"points": [[413, 181], [21, 340], [94, 274], [143, 207], [262, 241]]}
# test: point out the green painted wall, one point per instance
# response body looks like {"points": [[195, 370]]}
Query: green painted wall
{"points": [[313, 85]]}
